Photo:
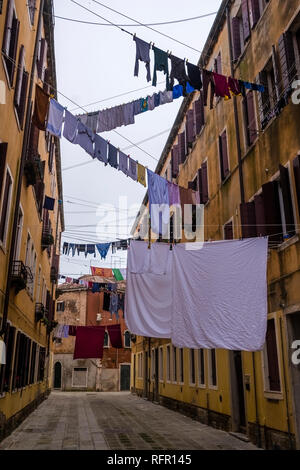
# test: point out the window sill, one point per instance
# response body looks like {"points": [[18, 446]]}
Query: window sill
{"points": [[276, 396], [192, 385], [213, 387], [202, 386], [224, 181], [289, 242], [2, 395]]}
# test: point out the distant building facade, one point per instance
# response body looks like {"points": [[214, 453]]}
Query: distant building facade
{"points": [[78, 305]]}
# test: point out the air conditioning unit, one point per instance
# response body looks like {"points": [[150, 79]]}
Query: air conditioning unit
{"points": [[99, 317]]}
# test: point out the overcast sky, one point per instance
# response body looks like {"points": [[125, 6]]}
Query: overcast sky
{"points": [[95, 63]]}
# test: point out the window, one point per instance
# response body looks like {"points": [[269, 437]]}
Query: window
{"points": [[198, 107], [10, 40], [152, 364], [203, 183], [212, 367], [60, 306], [33, 363], [18, 235], [30, 262], [201, 367], [6, 369], [192, 367], [182, 147], [228, 231], [21, 88], [161, 363], [31, 10], [126, 339], [218, 64], [106, 340], [181, 366], [271, 365], [174, 364], [223, 153], [268, 99], [41, 61], [190, 127], [41, 364], [3, 151], [5, 209], [249, 119], [21, 363], [140, 365], [169, 363], [106, 301]]}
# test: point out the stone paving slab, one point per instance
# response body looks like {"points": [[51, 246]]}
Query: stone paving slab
{"points": [[114, 420]]}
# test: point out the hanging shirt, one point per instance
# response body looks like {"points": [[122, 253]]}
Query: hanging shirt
{"points": [[137, 107], [104, 123], [112, 156], [178, 72], [132, 170], [174, 194], [81, 248], [103, 249], [89, 342], [113, 305], [151, 103], [41, 108], [96, 287], [65, 333], [72, 248], [90, 250], [85, 138], [128, 113], [144, 104], [143, 54], [177, 91], [115, 337], [100, 148], [221, 86], [156, 100], [165, 97], [55, 118], [123, 163], [160, 64], [70, 127], [49, 203], [90, 120], [141, 174], [208, 79], [158, 202], [194, 76]]}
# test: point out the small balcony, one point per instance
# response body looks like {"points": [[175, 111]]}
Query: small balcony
{"points": [[21, 276], [47, 238], [33, 170], [40, 312]]}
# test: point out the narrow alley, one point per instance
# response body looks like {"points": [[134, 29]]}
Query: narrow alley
{"points": [[114, 420]]}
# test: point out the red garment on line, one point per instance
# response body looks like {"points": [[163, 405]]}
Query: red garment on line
{"points": [[234, 86], [221, 86], [89, 342], [115, 337]]}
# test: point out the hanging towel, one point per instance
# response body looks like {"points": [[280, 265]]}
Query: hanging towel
{"points": [[123, 163], [151, 103], [148, 298], [49, 203], [144, 104], [90, 250], [55, 118], [160, 64], [194, 76], [174, 194], [41, 108], [89, 342], [141, 174], [165, 97], [177, 91], [160, 259], [234, 86], [156, 99], [65, 333], [115, 337], [132, 170], [208, 79], [90, 120], [128, 113], [158, 202], [221, 86], [143, 54], [220, 295], [112, 156], [2, 352], [178, 72], [137, 107], [70, 127], [103, 120], [72, 330], [101, 149], [85, 138], [103, 249]]}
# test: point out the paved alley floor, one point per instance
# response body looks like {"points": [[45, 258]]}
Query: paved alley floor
{"points": [[117, 421]]}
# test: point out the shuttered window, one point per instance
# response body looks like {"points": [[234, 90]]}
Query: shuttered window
{"points": [[3, 152], [5, 209], [254, 12], [32, 363], [41, 62], [33, 141], [51, 153], [198, 107], [192, 367], [224, 164], [203, 183], [236, 37], [245, 19], [248, 219], [190, 127], [249, 116], [41, 364], [201, 367], [296, 169], [21, 87], [272, 372], [286, 55], [212, 367], [32, 9], [181, 147], [228, 231], [10, 40], [218, 64], [175, 161], [5, 381]]}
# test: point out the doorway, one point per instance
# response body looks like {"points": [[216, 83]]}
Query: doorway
{"points": [[293, 327], [57, 375], [237, 392], [124, 377]]}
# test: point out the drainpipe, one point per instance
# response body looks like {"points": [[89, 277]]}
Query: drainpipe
{"points": [[21, 172], [236, 116], [285, 387], [256, 404]]}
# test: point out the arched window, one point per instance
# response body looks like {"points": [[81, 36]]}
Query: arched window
{"points": [[126, 339], [105, 344]]}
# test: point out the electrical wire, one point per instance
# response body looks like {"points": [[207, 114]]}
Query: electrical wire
{"points": [[134, 25]]}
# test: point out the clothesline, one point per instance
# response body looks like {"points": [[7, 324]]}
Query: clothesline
{"points": [[90, 248]]}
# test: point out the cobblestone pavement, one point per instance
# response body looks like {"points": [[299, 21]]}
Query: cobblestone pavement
{"points": [[116, 420]]}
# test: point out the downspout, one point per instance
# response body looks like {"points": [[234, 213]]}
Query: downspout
{"points": [[21, 172], [285, 387], [236, 116]]}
